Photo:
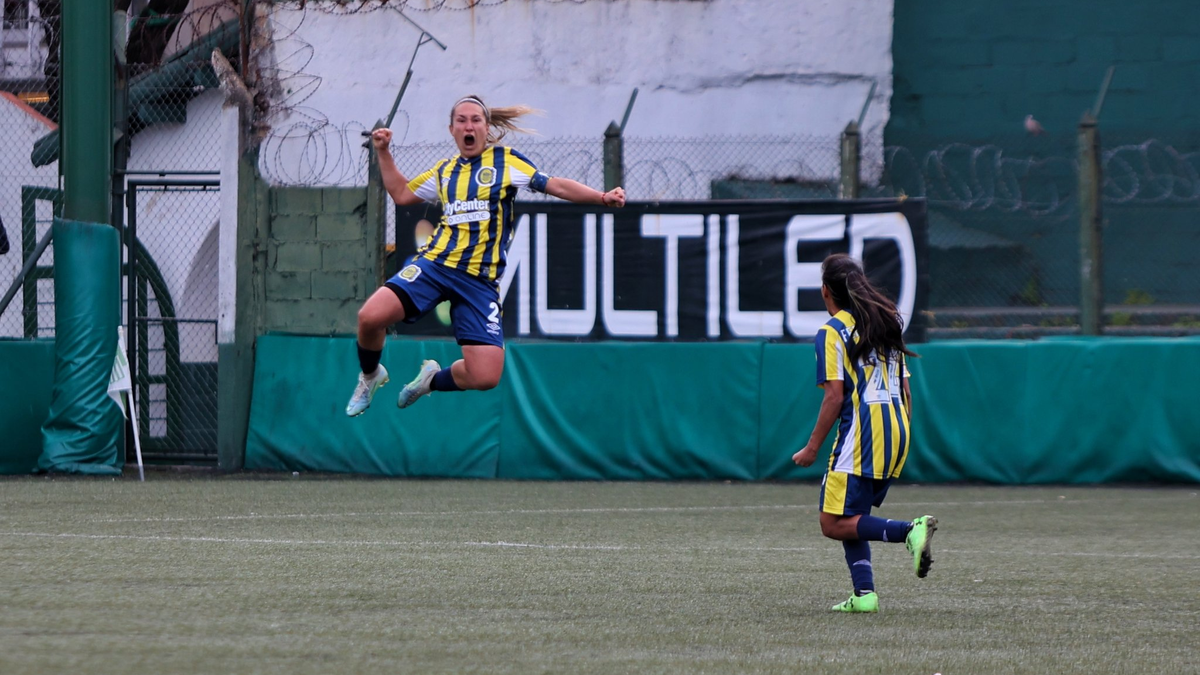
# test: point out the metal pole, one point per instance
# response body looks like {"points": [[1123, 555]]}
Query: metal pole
{"points": [[614, 157], [132, 334], [851, 154], [87, 108], [1091, 257], [614, 148], [30, 263]]}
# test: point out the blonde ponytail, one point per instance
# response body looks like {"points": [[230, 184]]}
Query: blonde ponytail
{"points": [[500, 120]]}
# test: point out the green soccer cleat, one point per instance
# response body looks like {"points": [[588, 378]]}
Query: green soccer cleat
{"points": [[860, 604], [421, 384], [365, 391], [917, 543]]}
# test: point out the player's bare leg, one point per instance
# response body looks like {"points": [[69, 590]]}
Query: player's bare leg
{"points": [[841, 528], [381, 310], [479, 369]]}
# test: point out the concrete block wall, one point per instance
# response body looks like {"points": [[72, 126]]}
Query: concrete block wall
{"points": [[971, 70], [320, 255]]}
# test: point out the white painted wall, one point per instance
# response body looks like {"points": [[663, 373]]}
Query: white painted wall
{"points": [[20, 126], [703, 68], [180, 229]]}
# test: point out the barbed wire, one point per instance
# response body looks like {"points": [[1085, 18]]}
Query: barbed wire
{"points": [[427, 6], [1151, 172], [955, 176], [976, 178]]}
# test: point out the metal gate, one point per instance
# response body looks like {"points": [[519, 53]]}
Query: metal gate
{"points": [[171, 244]]}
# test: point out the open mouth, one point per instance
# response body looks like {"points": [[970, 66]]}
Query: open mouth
{"points": [[469, 139]]}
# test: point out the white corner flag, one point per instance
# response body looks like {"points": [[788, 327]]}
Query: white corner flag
{"points": [[118, 382]]}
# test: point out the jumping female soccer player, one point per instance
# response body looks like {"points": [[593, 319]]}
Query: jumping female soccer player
{"points": [[465, 256], [860, 365]]}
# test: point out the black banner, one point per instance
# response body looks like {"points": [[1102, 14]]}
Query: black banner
{"points": [[690, 271]]}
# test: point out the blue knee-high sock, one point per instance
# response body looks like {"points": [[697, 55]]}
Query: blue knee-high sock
{"points": [[858, 557], [444, 381], [874, 528]]}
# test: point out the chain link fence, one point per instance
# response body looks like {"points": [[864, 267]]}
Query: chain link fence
{"points": [[173, 104], [662, 169], [172, 302], [167, 109], [28, 112], [1005, 234]]}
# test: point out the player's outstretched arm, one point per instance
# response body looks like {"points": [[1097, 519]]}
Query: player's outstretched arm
{"points": [[393, 181], [574, 191]]}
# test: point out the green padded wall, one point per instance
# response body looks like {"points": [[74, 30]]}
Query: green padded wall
{"points": [[597, 411], [1056, 411], [26, 381], [1010, 412], [82, 433], [298, 420]]}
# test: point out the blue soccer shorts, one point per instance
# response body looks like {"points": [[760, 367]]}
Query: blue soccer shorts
{"points": [[474, 303], [844, 494]]}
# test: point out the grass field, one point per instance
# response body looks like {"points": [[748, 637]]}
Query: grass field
{"points": [[253, 574]]}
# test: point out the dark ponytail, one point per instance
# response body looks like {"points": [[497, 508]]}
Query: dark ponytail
{"points": [[877, 323]]}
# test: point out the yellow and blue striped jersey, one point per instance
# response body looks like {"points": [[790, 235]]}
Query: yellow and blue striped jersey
{"points": [[477, 197], [873, 428]]}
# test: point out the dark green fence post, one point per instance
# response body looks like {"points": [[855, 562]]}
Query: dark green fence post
{"points": [[1091, 254], [614, 157], [614, 148], [851, 157]]}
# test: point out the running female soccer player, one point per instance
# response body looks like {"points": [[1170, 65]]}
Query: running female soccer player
{"points": [[465, 256], [861, 366]]}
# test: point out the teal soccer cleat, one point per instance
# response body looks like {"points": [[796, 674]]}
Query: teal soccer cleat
{"points": [[365, 391], [421, 384]]}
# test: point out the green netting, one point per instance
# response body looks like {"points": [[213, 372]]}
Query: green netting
{"points": [[82, 433]]}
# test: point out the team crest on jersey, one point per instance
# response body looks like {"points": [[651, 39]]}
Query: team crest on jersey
{"points": [[410, 273], [486, 176]]}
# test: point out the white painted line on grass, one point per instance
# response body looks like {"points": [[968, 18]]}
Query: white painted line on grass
{"points": [[509, 544], [582, 511], [309, 542], [589, 547], [490, 512]]}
